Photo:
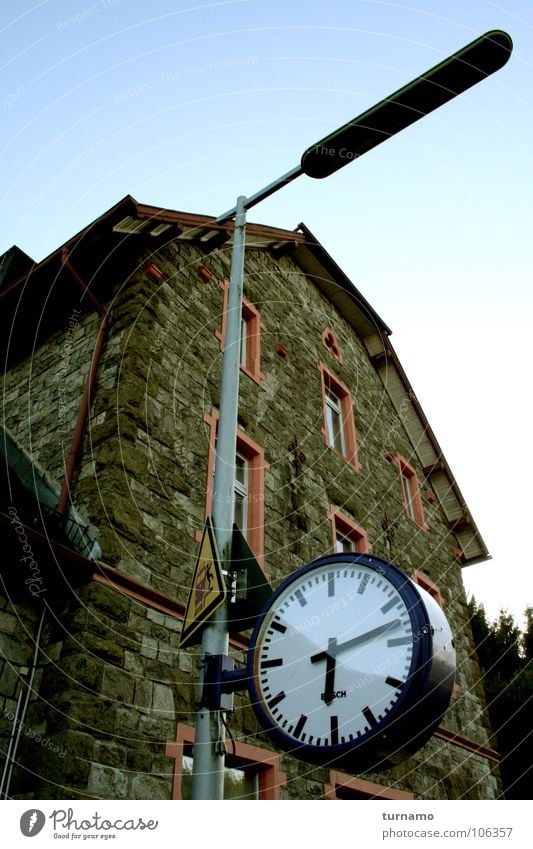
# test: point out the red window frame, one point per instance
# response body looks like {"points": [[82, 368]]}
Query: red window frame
{"points": [[343, 394], [254, 327], [255, 456], [359, 788], [429, 586], [412, 500], [341, 524], [271, 776]]}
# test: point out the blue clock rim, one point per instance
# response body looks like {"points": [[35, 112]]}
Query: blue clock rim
{"points": [[418, 673]]}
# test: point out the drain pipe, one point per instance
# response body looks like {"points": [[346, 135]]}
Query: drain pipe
{"points": [[18, 722], [83, 412]]}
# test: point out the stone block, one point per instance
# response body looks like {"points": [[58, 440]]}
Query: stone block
{"points": [[118, 685], [150, 787], [163, 699], [106, 782]]}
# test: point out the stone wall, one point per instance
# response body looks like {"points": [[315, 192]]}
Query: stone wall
{"points": [[114, 681]]}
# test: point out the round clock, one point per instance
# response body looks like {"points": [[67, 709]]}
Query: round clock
{"points": [[351, 663]]}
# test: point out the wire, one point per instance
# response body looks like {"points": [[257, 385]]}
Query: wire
{"points": [[229, 732], [12, 755]]}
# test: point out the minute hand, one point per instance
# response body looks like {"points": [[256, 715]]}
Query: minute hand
{"points": [[363, 638]]}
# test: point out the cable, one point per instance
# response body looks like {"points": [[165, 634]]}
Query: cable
{"points": [[12, 755]]}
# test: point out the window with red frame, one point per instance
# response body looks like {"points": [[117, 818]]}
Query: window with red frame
{"points": [[342, 786], [251, 329], [347, 535], [339, 421], [411, 493], [249, 485], [251, 772]]}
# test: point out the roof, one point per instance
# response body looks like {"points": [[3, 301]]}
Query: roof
{"points": [[109, 235]]}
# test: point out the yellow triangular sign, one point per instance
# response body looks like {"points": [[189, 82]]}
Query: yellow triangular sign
{"points": [[208, 589]]}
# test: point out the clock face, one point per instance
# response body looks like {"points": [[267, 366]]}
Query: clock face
{"points": [[336, 654]]}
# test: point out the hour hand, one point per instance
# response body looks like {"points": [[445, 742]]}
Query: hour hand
{"points": [[329, 688]]}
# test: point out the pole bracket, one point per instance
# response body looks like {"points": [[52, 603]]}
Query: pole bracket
{"points": [[221, 680]]}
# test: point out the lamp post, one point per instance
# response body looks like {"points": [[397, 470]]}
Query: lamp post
{"points": [[423, 95]]}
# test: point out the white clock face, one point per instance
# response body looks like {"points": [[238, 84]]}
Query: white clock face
{"points": [[333, 655]]}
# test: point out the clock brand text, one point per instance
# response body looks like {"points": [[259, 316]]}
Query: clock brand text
{"points": [[340, 694]]}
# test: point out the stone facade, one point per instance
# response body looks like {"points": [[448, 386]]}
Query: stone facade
{"points": [[112, 683]]}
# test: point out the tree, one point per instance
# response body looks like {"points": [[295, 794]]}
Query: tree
{"points": [[506, 659]]}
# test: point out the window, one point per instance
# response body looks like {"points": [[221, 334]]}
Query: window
{"points": [[347, 535], [251, 329], [239, 783], [251, 772], [411, 493], [342, 786], [249, 485], [334, 422], [339, 422], [241, 491]]}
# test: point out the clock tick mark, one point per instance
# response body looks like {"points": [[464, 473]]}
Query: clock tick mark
{"points": [[398, 641], [301, 600], [394, 682], [369, 716], [300, 726], [270, 664], [393, 602], [276, 699]]}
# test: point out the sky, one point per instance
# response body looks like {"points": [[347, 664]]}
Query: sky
{"points": [[187, 105]]}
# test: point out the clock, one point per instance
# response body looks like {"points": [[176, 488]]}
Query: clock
{"points": [[351, 663]]}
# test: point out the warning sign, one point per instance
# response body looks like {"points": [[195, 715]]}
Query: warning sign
{"points": [[208, 589]]}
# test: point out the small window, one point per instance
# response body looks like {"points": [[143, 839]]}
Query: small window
{"points": [[244, 342], [347, 535], [339, 421], [239, 783], [251, 329], [334, 422], [241, 492], [249, 485], [251, 772], [411, 493]]}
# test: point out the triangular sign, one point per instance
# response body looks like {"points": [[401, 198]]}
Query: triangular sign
{"points": [[208, 589]]}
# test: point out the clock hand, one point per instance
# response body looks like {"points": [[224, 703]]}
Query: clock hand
{"points": [[363, 638], [329, 657]]}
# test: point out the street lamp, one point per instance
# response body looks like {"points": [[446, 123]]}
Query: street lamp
{"points": [[423, 95]]}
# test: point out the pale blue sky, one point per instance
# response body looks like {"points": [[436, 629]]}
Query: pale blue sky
{"points": [[188, 104]]}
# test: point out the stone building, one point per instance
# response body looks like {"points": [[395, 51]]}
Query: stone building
{"points": [[112, 350]]}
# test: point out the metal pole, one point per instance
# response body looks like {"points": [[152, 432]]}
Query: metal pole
{"points": [[209, 747], [272, 187]]}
